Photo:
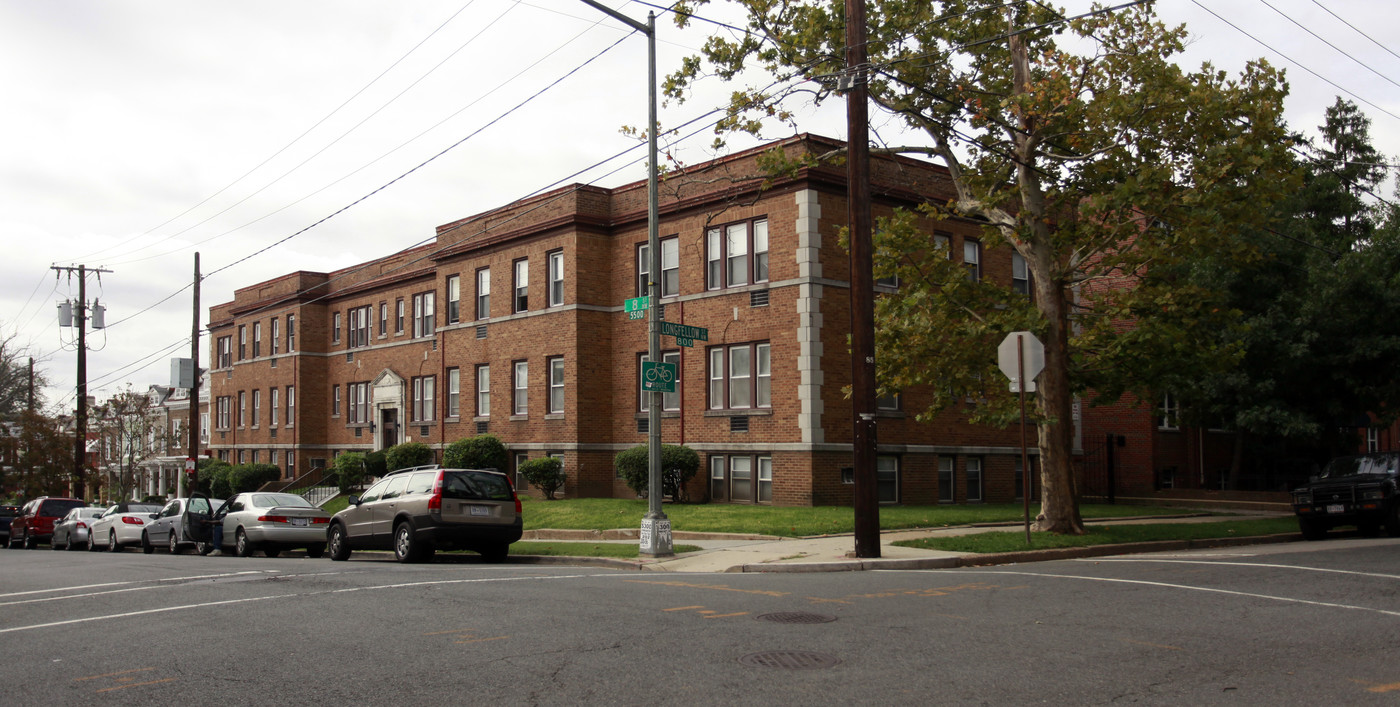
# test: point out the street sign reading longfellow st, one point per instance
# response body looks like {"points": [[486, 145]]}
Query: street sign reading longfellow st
{"points": [[685, 331]]}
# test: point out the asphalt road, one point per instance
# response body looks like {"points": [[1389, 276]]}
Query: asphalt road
{"points": [[1280, 624]]}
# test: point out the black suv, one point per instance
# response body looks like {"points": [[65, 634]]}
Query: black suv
{"points": [[417, 511], [1355, 490]]}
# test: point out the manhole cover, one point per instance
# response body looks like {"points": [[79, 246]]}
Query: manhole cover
{"points": [[795, 617], [790, 660]]}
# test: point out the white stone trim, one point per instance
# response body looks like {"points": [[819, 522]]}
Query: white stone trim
{"points": [[809, 324]]}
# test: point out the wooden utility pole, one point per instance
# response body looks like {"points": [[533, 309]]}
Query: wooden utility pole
{"points": [[80, 420], [867, 506]]}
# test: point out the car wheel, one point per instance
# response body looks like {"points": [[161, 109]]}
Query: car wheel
{"points": [[174, 542], [146, 545], [1311, 529], [93, 546], [241, 546], [406, 547], [338, 544], [315, 551], [496, 552], [203, 548], [29, 543], [112, 544], [71, 545]]}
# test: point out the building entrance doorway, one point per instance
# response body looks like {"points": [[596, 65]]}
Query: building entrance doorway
{"points": [[389, 424]]}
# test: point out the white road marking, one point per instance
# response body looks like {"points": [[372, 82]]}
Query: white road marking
{"points": [[1168, 585], [1252, 564], [122, 584]]}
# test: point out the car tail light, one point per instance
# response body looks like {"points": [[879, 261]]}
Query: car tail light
{"points": [[273, 519], [132, 521], [320, 521], [81, 525], [435, 503]]}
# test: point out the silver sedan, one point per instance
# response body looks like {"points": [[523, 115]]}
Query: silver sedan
{"points": [[273, 522], [72, 530]]}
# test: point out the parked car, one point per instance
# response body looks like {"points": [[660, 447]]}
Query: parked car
{"points": [[72, 530], [1353, 490], [120, 525], [34, 524], [7, 515], [168, 529], [416, 512], [270, 522]]}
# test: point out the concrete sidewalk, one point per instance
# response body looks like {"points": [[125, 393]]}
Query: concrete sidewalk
{"points": [[835, 553]]}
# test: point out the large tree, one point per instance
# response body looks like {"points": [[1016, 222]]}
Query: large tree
{"points": [[1077, 143], [129, 432], [15, 380]]}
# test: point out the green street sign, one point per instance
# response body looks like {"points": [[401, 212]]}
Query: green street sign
{"points": [[658, 377], [636, 304], [684, 331], [682, 341], [639, 314]]}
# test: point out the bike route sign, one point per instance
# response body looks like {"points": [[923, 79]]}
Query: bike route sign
{"points": [[658, 377]]}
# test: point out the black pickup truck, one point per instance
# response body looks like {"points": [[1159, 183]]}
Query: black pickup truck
{"points": [[7, 516], [1356, 490]]}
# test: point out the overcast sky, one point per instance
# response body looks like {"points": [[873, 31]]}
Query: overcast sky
{"points": [[136, 132]]}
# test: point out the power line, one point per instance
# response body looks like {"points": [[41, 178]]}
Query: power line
{"points": [[1324, 41], [1354, 28]]}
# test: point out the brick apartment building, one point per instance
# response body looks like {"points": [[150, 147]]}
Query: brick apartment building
{"points": [[512, 323]]}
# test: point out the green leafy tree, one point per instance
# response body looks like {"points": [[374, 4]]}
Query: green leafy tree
{"points": [[251, 477], [545, 474], [208, 470], [15, 382], [479, 452], [1078, 144], [350, 469], [408, 454], [679, 465]]}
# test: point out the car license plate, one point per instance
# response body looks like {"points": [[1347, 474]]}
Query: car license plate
{"points": [[299, 522], [480, 511], [1336, 508]]}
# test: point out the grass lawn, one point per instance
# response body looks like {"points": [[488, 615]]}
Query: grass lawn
{"points": [[609, 513], [999, 541]]}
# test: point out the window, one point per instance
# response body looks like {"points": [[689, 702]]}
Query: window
{"points": [[520, 394], [974, 479], [204, 424], [1167, 413], [1373, 439], [276, 336], [454, 299], [257, 407], [242, 408], [736, 254], [765, 479], [424, 394], [483, 391], [274, 408], [483, 293], [945, 480], [519, 459], [521, 301], [670, 268], [383, 319], [943, 242], [972, 258], [257, 339], [291, 467], [888, 403], [423, 316], [291, 405], [335, 400], [887, 479], [291, 332], [335, 328], [741, 478], [556, 278], [398, 316], [740, 377], [357, 403], [223, 411], [1020, 275], [242, 342], [556, 385], [669, 401], [225, 353], [454, 392], [359, 326]]}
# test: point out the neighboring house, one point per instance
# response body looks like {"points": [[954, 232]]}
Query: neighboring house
{"points": [[161, 472], [511, 323]]}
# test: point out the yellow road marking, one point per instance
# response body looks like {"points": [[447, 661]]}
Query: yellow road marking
{"points": [[721, 616], [480, 640], [684, 608], [1392, 687], [719, 587], [442, 633], [138, 684], [108, 675]]}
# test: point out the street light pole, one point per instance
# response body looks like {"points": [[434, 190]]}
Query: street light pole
{"points": [[656, 527]]}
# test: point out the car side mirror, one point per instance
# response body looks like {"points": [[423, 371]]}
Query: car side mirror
{"points": [[355, 500], [155, 516]]}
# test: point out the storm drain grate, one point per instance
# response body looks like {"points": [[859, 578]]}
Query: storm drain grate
{"points": [[790, 660], [795, 617]]}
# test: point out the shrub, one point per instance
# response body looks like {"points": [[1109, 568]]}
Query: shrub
{"points": [[545, 474], [403, 456], [209, 471], [349, 470], [375, 465], [479, 452], [678, 466], [251, 477]]}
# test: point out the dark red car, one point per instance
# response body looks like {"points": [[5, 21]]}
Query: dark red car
{"points": [[34, 524]]}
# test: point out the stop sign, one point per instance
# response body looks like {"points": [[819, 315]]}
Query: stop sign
{"points": [[1031, 360]]}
